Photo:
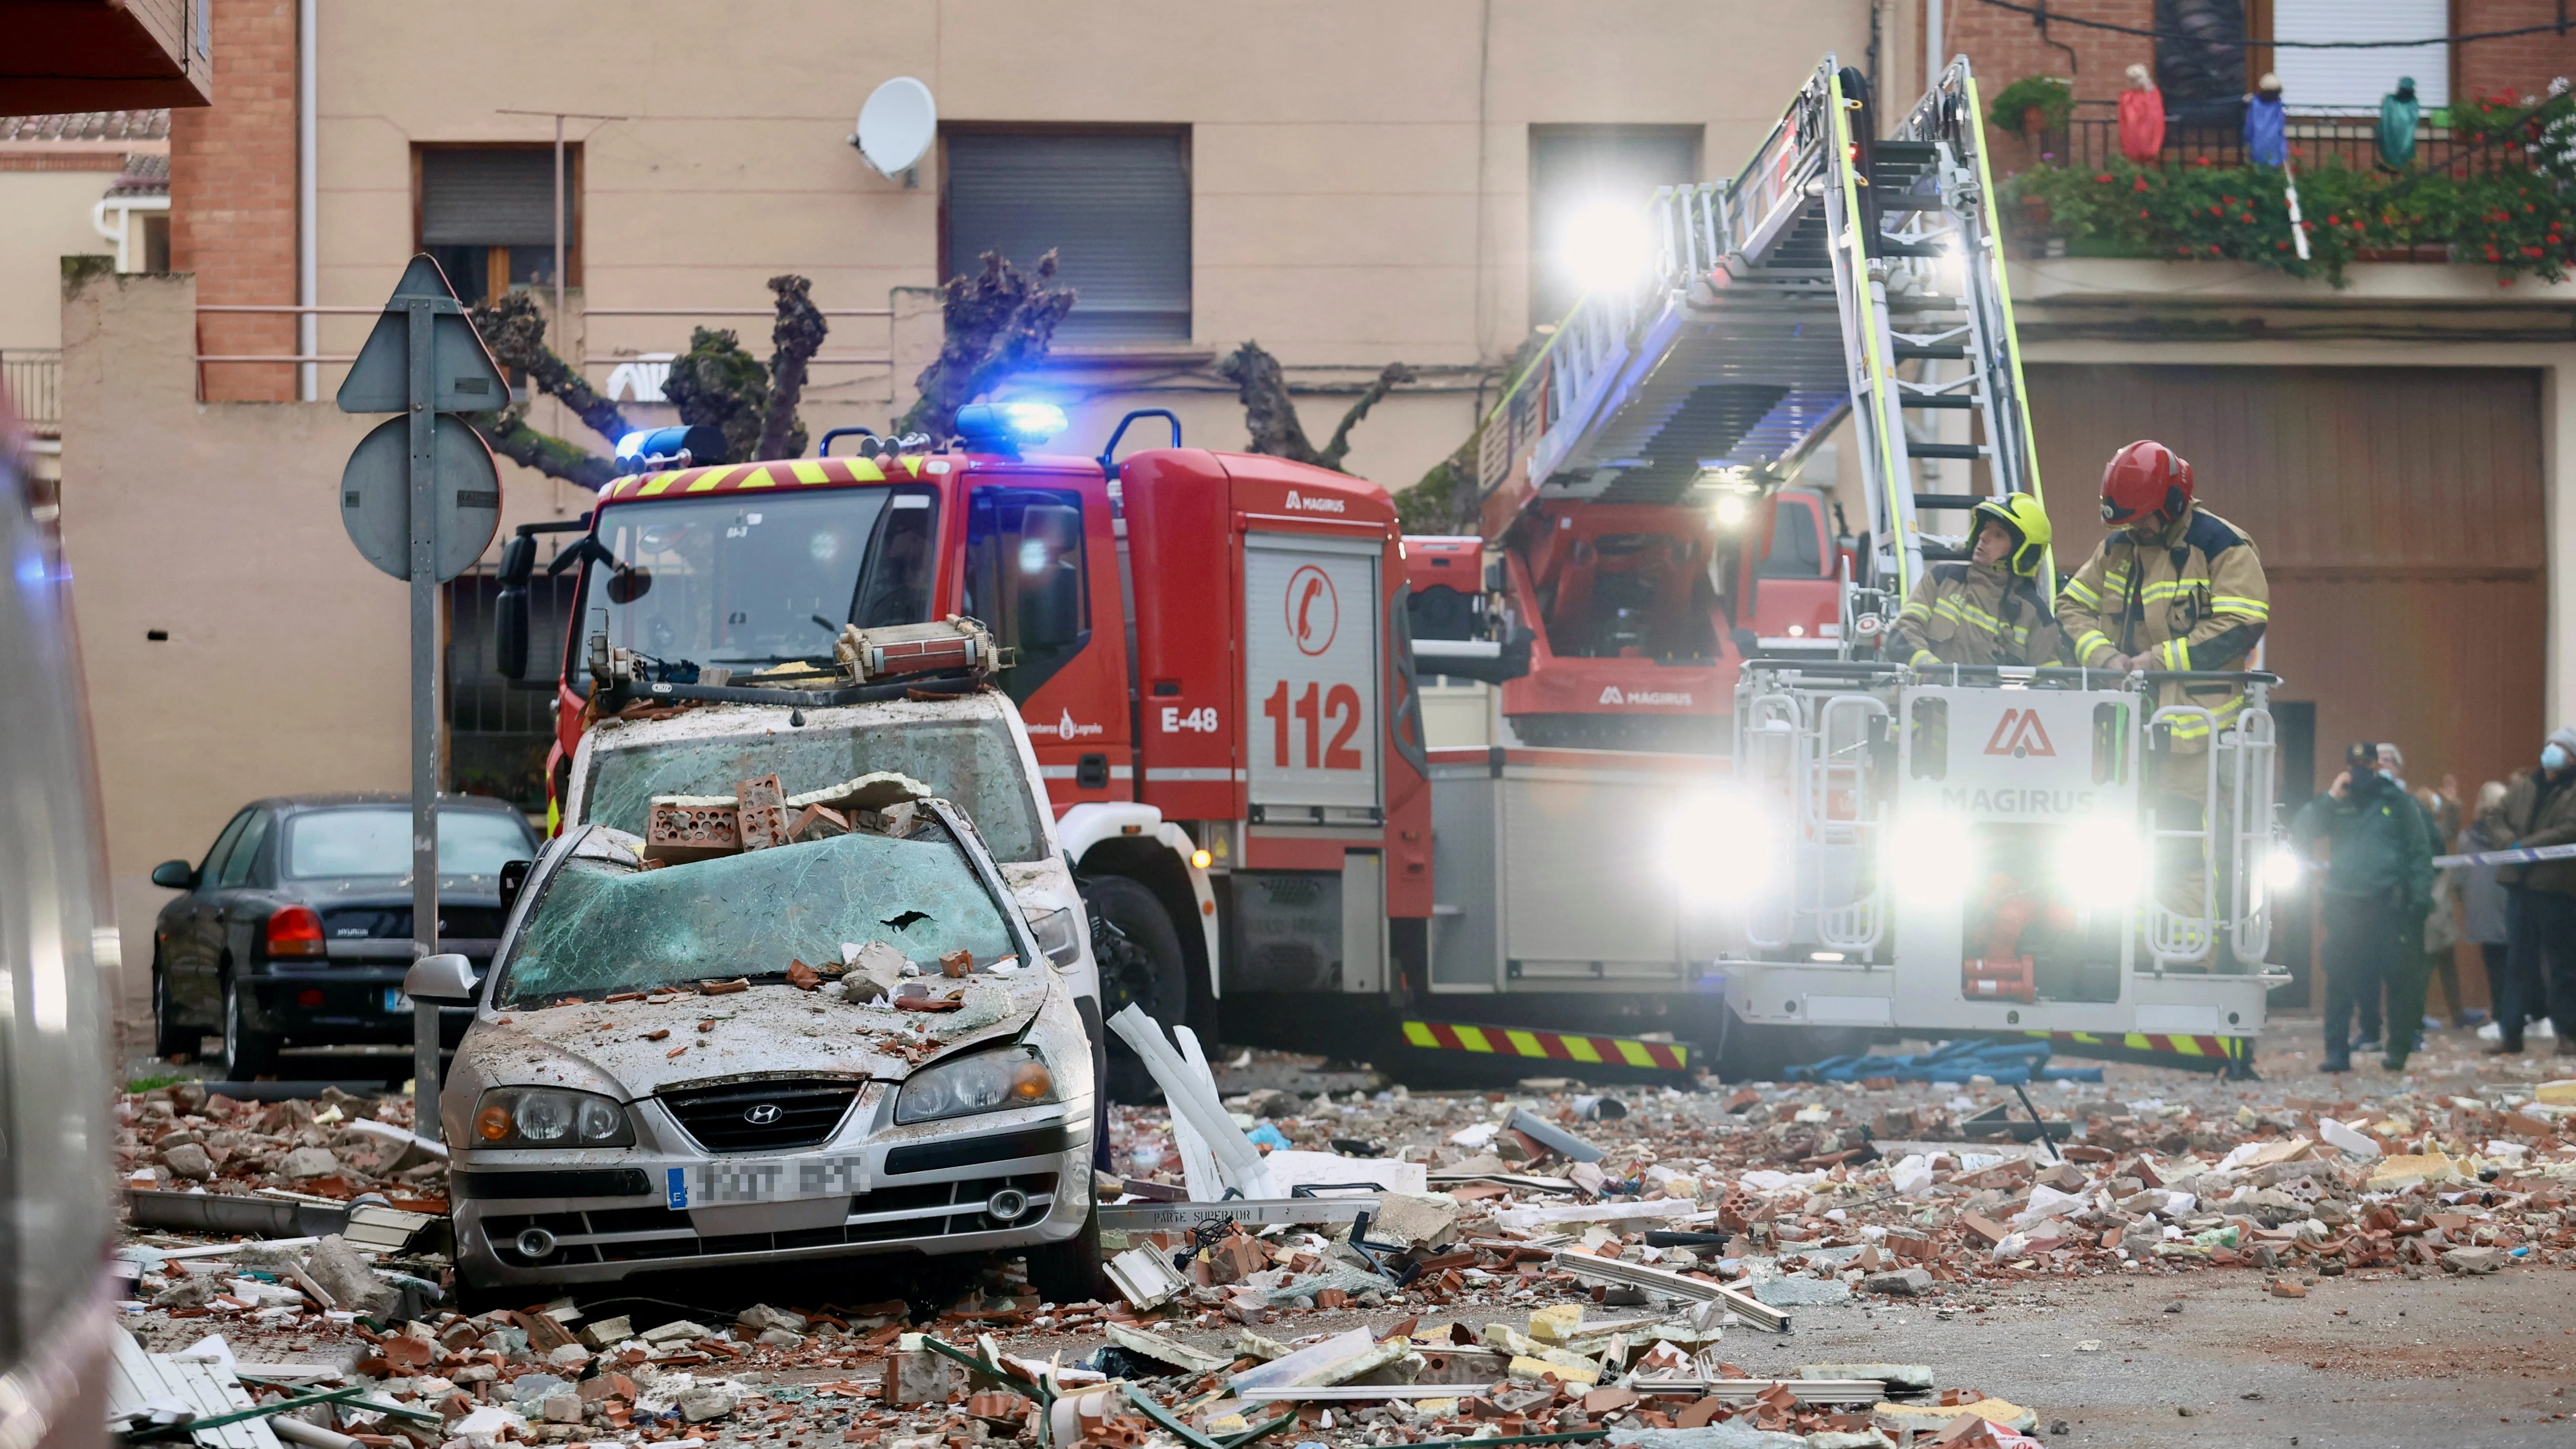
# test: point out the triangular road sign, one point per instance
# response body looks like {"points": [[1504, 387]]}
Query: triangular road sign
{"points": [[463, 377]]}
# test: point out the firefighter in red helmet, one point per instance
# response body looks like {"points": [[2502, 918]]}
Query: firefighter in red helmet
{"points": [[2172, 587]]}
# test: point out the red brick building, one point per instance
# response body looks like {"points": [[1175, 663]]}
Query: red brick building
{"points": [[233, 192]]}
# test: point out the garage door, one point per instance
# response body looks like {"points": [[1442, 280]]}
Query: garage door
{"points": [[2399, 515]]}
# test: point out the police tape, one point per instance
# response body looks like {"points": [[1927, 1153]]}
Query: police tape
{"points": [[2508, 857]]}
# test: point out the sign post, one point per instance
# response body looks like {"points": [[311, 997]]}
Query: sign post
{"points": [[421, 499]]}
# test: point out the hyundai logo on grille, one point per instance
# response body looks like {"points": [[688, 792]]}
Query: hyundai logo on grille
{"points": [[761, 1114]]}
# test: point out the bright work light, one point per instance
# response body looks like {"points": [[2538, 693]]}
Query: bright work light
{"points": [[1608, 246], [1720, 847], [1929, 857], [2102, 863]]}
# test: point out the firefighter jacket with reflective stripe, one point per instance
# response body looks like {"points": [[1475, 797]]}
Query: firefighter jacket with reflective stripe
{"points": [[2535, 813], [2194, 598], [2381, 848], [1968, 613]]}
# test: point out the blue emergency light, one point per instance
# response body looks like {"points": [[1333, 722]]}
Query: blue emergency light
{"points": [[682, 447], [1008, 427]]}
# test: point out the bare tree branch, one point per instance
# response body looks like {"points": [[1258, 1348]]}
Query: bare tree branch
{"points": [[510, 436], [1388, 378], [515, 330], [1270, 414]]}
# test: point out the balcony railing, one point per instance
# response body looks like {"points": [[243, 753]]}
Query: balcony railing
{"points": [[2093, 139], [33, 379]]}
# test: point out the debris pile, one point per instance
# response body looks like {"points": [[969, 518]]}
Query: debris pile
{"points": [[1552, 1262], [327, 1150]]}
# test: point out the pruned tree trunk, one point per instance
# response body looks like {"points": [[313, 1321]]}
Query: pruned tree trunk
{"points": [[994, 325], [717, 384], [794, 340]]}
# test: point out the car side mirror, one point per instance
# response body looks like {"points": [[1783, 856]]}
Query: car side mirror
{"points": [[174, 875], [514, 878], [446, 976]]}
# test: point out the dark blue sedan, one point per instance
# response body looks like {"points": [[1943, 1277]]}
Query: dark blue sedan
{"points": [[296, 928]]}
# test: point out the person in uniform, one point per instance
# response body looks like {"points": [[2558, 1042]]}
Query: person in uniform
{"points": [[2173, 587], [1988, 609]]}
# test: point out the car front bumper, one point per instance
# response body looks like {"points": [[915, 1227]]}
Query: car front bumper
{"points": [[609, 1214]]}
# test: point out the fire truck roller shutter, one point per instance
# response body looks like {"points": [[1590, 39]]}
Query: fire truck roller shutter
{"points": [[1312, 622]]}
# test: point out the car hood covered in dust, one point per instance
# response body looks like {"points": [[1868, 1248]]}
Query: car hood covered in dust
{"points": [[633, 1049]]}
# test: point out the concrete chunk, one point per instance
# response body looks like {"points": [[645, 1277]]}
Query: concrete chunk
{"points": [[2473, 1260], [1906, 1282], [1415, 1219], [340, 1272]]}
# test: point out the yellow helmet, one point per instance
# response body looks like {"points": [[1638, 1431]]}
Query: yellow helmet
{"points": [[2027, 522]]}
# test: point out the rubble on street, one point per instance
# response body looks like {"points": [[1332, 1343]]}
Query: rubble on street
{"points": [[1556, 1262]]}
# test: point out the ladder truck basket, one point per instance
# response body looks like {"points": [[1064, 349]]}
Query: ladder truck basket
{"points": [[2000, 848]]}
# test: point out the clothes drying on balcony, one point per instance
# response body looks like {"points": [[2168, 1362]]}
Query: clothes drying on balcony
{"points": [[2398, 113], [2142, 118]]}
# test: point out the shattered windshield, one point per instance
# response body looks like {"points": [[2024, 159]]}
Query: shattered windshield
{"points": [[971, 762], [752, 579], [602, 926]]}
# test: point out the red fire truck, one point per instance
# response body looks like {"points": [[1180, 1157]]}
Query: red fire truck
{"points": [[1213, 658]]}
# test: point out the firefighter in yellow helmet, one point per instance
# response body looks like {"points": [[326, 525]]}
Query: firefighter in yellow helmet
{"points": [[1988, 609]]}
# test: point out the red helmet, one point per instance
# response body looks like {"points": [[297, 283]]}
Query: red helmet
{"points": [[2143, 479]]}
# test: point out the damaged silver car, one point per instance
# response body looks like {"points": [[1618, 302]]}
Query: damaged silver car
{"points": [[849, 1043]]}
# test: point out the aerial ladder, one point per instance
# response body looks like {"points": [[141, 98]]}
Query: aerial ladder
{"points": [[1953, 849]]}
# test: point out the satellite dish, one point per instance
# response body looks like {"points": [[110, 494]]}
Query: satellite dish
{"points": [[896, 126]]}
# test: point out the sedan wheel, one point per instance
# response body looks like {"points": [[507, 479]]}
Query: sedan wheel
{"points": [[171, 1041], [248, 1054]]}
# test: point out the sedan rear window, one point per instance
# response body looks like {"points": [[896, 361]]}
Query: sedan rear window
{"points": [[376, 840]]}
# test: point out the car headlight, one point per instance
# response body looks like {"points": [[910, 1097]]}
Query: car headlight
{"points": [[548, 1117], [984, 1082], [1059, 934]]}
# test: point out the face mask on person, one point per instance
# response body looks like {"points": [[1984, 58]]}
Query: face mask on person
{"points": [[2553, 757]]}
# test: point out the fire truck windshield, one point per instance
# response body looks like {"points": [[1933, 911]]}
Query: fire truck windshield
{"points": [[755, 579]]}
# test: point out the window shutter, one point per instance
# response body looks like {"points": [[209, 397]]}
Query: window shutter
{"points": [[2353, 81], [1114, 209], [498, 198]]}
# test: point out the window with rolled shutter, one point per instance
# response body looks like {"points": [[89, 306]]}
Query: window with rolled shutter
{"points": [[2352, 81], [1114, 208], [488, 215]]}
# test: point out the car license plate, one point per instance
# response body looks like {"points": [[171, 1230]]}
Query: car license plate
{"points": [[766, 1179], [395, 1000]]}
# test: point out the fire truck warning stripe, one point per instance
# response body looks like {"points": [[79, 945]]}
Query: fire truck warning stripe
{"points": [[2232, 1048], [1547, 1045], [733, 478]]}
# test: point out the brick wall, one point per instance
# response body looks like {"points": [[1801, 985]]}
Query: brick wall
{"points": [[2523, 65], [232, 192], [2005, 45]]}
